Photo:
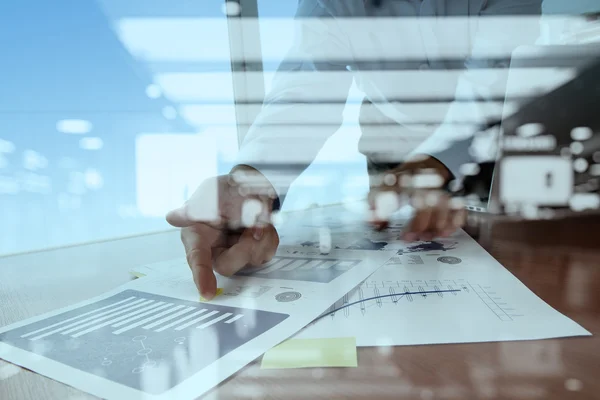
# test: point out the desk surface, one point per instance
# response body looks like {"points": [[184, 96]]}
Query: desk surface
{"points": [[567, 277]]}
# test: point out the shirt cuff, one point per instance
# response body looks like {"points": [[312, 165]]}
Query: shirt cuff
{"points": [[279, 173], [452, 153]]}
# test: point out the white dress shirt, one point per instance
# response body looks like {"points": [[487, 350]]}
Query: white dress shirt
{"points": [[390, 51]]}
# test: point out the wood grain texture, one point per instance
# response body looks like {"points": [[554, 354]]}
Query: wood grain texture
{"points": [[567, 277]]}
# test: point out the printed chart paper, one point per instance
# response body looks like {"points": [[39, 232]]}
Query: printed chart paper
{"points": [[153, 338], [442, 291]]}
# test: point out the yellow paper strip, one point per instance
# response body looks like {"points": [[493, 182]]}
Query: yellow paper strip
{"points": [[137, 274], [219, 291], [312, 353]]}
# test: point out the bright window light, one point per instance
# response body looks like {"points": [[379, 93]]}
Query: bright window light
{"points": [[169, 168]]}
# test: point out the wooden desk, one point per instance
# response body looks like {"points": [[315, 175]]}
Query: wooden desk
{"points": [[567, 277]]}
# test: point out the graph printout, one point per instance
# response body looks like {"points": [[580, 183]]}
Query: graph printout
{"points": [[127, 335], [154, 338], [441, 291], [446, 290]]}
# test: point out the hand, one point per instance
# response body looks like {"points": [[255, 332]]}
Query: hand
{"points": [[225, 226], [418, 182]]}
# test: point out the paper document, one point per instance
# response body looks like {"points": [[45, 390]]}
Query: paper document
{"points": [[442, 291], [153, 339]]}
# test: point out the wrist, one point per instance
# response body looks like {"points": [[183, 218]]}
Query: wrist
{"points": [[427, 162]]}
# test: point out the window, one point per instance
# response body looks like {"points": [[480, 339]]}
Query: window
{"points": [[112, 112]]}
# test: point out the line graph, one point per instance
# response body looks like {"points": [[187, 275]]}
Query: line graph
{"points": [[377, 294], [413, 306], [378, 300]]}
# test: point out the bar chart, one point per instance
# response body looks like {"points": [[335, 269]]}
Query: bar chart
{"points": [[320, 270], [134, 337]]}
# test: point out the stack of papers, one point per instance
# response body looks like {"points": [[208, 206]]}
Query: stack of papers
{"points": [[154, 337]]}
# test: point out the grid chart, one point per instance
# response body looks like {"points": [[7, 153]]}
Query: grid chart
{"points": [[135, 337], [379, 294], [302, 269]]}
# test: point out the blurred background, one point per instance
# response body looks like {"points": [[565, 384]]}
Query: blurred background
{"points": [[112, 111]]}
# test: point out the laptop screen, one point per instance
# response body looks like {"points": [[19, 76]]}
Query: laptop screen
{"points": [[549, 158]]}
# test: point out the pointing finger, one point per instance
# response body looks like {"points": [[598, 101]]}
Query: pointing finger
{"points": [[200, 261], [198, 242]]}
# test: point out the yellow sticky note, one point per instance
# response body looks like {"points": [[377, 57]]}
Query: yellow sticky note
{"points": [[311, 353], [137, 274], [219, 291]]}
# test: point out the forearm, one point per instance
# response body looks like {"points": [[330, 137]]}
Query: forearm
{"points": [[305, 106]]}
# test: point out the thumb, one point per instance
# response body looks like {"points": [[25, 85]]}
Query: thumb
{"points": [[179, 218]]}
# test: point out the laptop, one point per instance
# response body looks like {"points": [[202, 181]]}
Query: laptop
{"points": [[533, 174]]}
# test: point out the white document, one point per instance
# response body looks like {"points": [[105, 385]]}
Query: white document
{"points": [[443, 291], [153, 339]]}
